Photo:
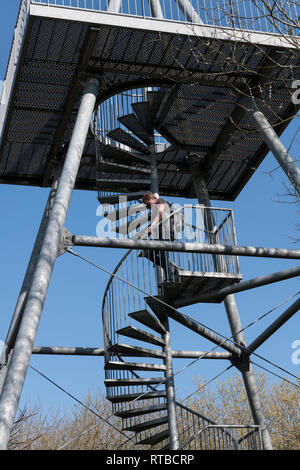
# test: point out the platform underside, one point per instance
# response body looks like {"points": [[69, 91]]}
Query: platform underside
{"points": [[201, 74], [191, 283]]}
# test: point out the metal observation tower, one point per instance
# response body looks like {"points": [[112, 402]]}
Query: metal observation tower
{"points": [[184, 98]]}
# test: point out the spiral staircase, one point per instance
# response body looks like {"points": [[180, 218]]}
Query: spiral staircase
{"points": [[135, 151], [195, 116], [139, 375]]}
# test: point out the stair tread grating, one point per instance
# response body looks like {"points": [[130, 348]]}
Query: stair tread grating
{"points": [[143, 111], [134, 351], [114, 198], [147, 424], [128, 413], [122, 155], [127, 139], [137, 396], [155, 439], [129, 227], [156, 98], [134, 125], [110, 166], [142, 335], [135, 381], [134, 366], [147, 319], [124, 212]]}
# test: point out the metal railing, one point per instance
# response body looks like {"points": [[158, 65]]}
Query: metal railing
{"points": [[199, 433], [107, 113], [106, 119], [136, 277], [184, 224], [270, 16], [132, 281]]}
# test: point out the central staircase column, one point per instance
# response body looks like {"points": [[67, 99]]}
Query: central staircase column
{"points": [[170, 388]]}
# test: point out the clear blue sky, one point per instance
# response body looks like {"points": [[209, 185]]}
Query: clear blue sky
{"points": [[72, 315]]}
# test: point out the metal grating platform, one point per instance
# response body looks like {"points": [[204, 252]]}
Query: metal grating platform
{"points": [[60, 47]]}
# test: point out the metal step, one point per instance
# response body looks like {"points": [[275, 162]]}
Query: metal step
{"points": [[147, 425], [127, 139], [155, 439], [114, 167], [132, 225], [135, 381], [141, 335], [120, 214], [147, 319], [141, 411], [134, 366], [134, 351], [158, 308], [114, 198], [134, 125], [137, 396], [122, 155], [143, 112], [156, 98], [172, 290], [124, 181]]}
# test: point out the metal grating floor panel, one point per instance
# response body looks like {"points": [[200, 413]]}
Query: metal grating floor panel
{"points": [[128, 57]]}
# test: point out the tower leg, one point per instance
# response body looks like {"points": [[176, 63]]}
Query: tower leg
{"points": [[36, 296], [247, 372], [277, 148], [19, 308]]}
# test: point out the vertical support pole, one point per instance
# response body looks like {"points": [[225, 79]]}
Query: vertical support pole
{"points": [[36, 296], [189, 12], [19, 308], [203, 199], [153, 169], [247, 372], [114, 6], [277, 148], [155, 8], [199, 183], [170, 388], [155, 189]]}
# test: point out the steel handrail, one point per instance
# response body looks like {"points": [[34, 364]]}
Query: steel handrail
{"points": [[222, 427]]}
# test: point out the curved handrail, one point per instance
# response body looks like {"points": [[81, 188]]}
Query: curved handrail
{"points": [[219, 223], [115, 310]]}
